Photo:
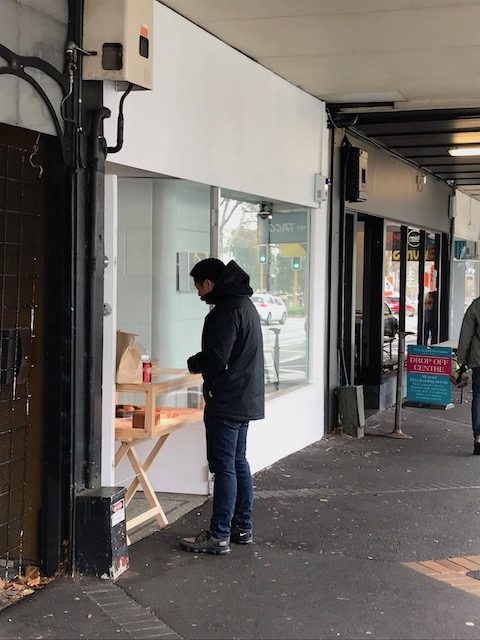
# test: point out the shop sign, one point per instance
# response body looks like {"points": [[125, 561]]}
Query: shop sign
{"points": [[413, 239], [283, 228], [413, 247], [428, 375]]}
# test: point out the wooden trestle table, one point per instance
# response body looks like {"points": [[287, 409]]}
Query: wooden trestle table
{"points": [[155, 431]]}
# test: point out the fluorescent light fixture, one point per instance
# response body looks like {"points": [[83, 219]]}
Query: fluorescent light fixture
{"points": [[464, 151]]}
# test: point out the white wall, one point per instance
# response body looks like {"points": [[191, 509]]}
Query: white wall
{"points": [[467, 217], [466, 212], [394, 192], [218, 118], [32, 28], [109, 333]]}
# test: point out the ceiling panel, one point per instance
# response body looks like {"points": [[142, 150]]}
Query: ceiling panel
{"points": [[421, 56], [425, 141]]}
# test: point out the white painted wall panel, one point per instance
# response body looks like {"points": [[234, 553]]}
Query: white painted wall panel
{"points": [[218, 118], [467, 217], [181, 466], [109, 334]]}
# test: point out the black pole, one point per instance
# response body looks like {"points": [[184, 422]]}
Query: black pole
{"points": [[84, 417], [344, 378]]}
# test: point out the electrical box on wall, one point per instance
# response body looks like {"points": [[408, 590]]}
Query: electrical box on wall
{"points": [[357, 176], [120, 35], [321, 188]]}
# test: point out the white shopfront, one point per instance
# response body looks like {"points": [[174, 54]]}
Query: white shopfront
{"points": [[218, 130], [465, 258]]}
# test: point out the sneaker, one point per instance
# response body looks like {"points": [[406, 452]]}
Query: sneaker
{"points": [[241, 536], [476, 449], [205, 542]]}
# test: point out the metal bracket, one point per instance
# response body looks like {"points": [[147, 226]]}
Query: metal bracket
{"points": [[16, 66]]}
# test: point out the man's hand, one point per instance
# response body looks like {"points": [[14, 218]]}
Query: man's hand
{"points": [[462, 376]]}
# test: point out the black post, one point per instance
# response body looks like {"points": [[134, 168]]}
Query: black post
{"points": [[86, 278]]}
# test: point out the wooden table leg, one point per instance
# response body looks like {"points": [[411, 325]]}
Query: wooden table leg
{"points": [[122, 450], [156, 510], [150, 407], [134, 485]]}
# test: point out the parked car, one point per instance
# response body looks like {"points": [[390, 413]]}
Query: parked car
{"points": [[390, 322], [270, 308], [394, 304]]}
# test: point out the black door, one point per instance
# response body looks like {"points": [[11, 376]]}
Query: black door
{"points": [[22, 286]]}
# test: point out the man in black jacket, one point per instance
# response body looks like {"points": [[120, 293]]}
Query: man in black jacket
{"points": [[231, 363]]}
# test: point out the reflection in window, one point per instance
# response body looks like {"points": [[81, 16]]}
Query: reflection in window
{"points": [[466, 281], [156, 251], [412, 287], [430, 301], [391, 292], [270, 242]]}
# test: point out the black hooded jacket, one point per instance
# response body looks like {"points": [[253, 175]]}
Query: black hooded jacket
{"points": [[231, 359]]}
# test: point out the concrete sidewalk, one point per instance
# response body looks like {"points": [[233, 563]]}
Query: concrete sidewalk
{"points": [[335, 527]]}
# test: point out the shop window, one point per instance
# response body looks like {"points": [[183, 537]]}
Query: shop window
{"points": [[391, 293], [270, 242], [465, 281], [412, 282], [430, 289], [163, 230]]}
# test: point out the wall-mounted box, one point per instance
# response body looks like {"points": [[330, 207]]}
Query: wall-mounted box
{"points": [[121, 34], [321, 188], [357, 184]]}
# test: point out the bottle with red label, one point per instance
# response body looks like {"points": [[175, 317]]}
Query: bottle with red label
{"points": [[147, 368]]}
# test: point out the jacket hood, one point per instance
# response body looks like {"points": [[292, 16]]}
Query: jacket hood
{"points": [[233, 281]]}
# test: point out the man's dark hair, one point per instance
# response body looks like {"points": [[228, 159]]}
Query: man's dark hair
{"points": [[208, 269]]}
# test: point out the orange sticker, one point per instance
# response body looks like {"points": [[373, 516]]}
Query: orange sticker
{"points": [[144, 30]]}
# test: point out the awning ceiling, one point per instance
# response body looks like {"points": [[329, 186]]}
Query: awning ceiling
{"points": [[424, 138], [410, 67]]}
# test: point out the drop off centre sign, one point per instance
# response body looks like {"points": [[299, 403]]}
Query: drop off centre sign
{"points": [[428, 375]]}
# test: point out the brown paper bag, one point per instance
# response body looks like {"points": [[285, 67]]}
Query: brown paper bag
{"points": [[129, 360]]}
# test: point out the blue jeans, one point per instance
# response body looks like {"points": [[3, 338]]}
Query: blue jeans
{"points": [[476, 401], [233, 487]]}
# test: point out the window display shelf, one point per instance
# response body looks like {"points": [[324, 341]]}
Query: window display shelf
{"points": [[166, 381]]}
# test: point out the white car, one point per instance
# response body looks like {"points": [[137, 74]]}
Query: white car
{"points": [[270, 308]]}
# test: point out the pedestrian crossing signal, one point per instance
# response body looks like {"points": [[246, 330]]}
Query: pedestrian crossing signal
{"points": [[262, 253], [296, 264]]}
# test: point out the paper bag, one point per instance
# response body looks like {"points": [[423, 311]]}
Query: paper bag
{"points": [[129, 358]]}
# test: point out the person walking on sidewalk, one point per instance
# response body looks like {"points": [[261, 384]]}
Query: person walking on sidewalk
{"points": [[231, 363], [468, 355]]}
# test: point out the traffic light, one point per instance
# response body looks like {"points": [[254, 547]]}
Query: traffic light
{"points": [[262, 253], [296, 263]]}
